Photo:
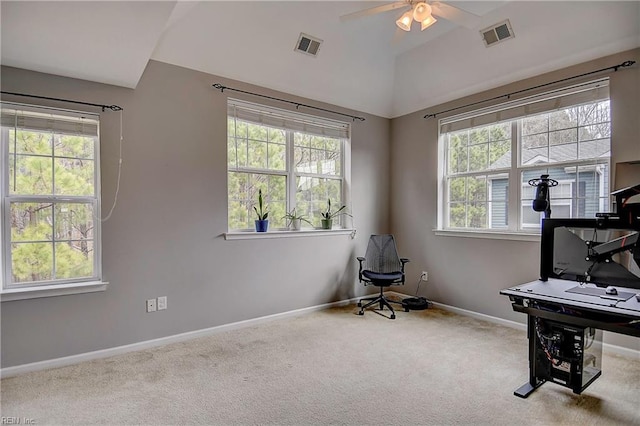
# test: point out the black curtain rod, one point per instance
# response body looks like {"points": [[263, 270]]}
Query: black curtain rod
{"points": [[104, 107], [508, 95], [297, 104]]}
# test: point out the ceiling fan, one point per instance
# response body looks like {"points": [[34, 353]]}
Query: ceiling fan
{"points": [[420, 11]]}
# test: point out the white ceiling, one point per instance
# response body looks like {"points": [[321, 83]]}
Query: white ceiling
{"points": [[365, 64]]}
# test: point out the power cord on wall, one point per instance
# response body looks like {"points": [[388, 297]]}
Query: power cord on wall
{"points": [[417, 303]]}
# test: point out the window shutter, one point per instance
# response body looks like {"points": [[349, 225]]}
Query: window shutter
{"points": [[283, 120], [550, 101], [31, 118]]}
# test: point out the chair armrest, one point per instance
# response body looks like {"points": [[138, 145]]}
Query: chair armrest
{"points": [[404, 260], [360, 260]]}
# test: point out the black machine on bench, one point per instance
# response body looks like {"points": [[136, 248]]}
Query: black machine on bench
{"points": [[589, 281]]}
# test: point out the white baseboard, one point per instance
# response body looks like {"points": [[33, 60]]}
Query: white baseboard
{"points": [[118, 350], [606, 347]]}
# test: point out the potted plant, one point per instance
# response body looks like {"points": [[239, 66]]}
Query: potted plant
{"points": [[294, 220], [261, 223], [328, 215]]}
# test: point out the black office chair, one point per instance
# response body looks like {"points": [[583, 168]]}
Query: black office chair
{"points": [[381, 266]]}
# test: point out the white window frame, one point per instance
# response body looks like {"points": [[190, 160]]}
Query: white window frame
{"points": [[512, 112], [27, 290], [291, 174]]}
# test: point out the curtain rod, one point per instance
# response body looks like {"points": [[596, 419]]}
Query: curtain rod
{"points": [[104, 107], [297, 104], [508, 95]]}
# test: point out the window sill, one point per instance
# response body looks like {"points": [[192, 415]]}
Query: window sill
{"points": [[251, 235], [8, 295], [491, 235]]}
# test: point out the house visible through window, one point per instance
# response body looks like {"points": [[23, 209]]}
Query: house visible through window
{"points": [[298, 161], [489, 156], [50, 197]]}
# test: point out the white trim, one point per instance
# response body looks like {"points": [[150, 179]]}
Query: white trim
{"points": [[490, 235], [251, 235], [148, 344], [34, 292], [176, 338]]}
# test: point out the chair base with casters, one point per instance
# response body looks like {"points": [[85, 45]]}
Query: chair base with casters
{"points": [[382, 301]]}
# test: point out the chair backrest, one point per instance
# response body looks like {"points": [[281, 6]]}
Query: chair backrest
{"points": [[382, 255]]}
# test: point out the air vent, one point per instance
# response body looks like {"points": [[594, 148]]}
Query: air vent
{"points": [[308, 44], [497, 33]]}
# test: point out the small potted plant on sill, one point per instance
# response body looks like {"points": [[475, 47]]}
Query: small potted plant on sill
{"points": [[262, 224], [328, 215], [294, 220]]}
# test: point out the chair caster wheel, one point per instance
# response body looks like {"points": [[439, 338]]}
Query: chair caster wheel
{"points": [[393, 316], [361, 313]]}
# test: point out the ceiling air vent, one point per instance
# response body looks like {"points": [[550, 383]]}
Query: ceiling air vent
{"points": [[497, 33], [308, 44]]}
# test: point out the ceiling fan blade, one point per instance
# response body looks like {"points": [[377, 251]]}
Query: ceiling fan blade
{"points": [[455, 15], [374, 10]]}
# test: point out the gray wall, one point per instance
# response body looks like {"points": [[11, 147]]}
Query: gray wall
{"points": [[468, 273], [164, 238]]}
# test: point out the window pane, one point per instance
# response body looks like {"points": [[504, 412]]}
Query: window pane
{"points": [[26, 142], [312, 195], [232, 159], [73, 221], [31, 221], [257, 132], [599, 131], [477, 215], [277, 156], [74, 146], [499, 154], [457, 215], [31, 262], [563, 136], [276, 135], [478, 157], [74, 176], [458, 189], [479, 135], [563, 119], [243, 197], [477, 188], [563, 152], [74, 259], [29, 175], [535, 124], [257, 154], [457, 153], [598, 112]]}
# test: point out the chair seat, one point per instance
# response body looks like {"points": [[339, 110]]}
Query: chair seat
{"points": [[376, 276]]}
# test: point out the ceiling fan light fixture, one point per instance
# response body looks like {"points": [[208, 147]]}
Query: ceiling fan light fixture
{"points": [[404, 23], [427, 23], [421, 11]]}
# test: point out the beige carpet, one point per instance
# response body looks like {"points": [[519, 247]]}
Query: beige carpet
{"points": [[329, 367]]}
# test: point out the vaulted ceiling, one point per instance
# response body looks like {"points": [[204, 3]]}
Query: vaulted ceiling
{"points": [[366, 64]]}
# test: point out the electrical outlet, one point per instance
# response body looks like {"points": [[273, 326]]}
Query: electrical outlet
{"points": [[424, 276], [162, 303], [151, 305]]}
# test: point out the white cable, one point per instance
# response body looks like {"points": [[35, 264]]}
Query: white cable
{"points": [[115, 197]]}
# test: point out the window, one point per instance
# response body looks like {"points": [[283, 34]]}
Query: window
{"points": [[50, 197], [298, 161], [488, 157]]}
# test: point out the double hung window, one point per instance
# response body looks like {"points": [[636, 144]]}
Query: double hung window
{"points": [[487, 158], [298, 161], [50, 197]]}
